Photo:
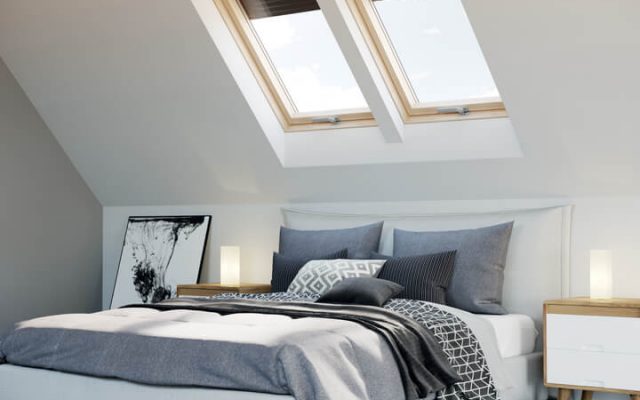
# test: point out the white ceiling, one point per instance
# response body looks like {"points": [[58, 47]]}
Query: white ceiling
{"points": [[140, 98]]}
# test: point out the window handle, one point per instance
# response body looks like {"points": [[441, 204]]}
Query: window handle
{"points": [[331, 120], [462, 110]]}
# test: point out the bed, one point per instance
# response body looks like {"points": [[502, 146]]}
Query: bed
{"points": [[510, 344]]}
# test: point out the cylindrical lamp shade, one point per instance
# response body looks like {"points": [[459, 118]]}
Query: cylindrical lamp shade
{"points": [[230, 265], [601, 274]]}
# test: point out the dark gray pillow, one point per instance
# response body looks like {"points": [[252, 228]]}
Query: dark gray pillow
{"points": [[284, 269], [478, 276], [424, 277], [364, 291], [360, 241]]}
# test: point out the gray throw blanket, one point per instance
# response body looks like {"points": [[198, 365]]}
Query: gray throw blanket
{"points": [[422, 363]]}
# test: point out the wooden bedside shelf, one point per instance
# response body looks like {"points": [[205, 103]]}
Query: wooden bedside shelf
{"points": [[592, 345], [212, 289]]}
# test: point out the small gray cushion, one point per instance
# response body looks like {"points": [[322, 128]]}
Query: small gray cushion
{"points": [[366, 291], [359, 241], [478, 275]]}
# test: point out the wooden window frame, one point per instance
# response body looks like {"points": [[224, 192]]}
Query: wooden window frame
{"points": [[271, 84], [412, 111]]}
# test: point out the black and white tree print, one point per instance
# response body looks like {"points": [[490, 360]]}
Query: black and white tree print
{"points": [[156, 249]]}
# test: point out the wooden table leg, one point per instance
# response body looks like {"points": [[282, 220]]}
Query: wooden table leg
{"points": [[587, 395], [565, 394]]}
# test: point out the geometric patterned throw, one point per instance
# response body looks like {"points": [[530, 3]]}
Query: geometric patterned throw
{"points": [[319, 276], [458, 342], [460, 345]]}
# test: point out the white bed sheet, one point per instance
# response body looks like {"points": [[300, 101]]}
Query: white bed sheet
{"points": [[516, 334]]}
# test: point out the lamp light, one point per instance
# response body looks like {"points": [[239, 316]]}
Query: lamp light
{"points": [[230, 265], [601, 274]]}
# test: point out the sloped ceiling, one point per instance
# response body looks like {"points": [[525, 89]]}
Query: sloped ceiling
{"points": [[140, 99]]}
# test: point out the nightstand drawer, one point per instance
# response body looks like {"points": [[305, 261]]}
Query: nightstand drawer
{"points": [[593, 369], [593, 333]]}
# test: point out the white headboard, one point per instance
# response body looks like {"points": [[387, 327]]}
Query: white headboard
{"points": [[538, 261]]}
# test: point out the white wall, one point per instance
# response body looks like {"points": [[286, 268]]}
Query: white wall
{"points": [[169, 124], [50, 222], [598, 223]]}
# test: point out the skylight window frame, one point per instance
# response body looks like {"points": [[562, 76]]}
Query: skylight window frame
{"points": [[399, 85], [271, 84]]}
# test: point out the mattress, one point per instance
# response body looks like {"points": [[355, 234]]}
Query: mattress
{"points": [[515, 333]]}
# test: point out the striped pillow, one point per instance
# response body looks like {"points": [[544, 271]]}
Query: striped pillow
{"points": [[424, 277]]}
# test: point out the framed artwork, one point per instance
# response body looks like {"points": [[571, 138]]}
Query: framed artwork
{"points": [[158, 253]]}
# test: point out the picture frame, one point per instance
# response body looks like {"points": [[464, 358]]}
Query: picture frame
{"points": [[158, 253]]}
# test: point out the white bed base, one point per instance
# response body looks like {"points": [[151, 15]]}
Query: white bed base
{"points": [[21, 383], [526, 376]]}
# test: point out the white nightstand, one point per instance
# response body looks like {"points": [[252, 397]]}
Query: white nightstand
{"points": [[593, 346]]}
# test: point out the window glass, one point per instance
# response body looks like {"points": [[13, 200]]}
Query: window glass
{"points": [[311, 67], [437, 48]]}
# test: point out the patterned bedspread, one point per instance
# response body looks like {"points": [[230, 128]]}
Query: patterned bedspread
{"points": [[457, 340]]}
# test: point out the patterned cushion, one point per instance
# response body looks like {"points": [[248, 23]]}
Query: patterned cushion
{"points": [[424, 277], [286, 268], [319, 276]]}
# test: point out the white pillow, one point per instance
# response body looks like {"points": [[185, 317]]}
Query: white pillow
{"points": [[319, 276]]}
